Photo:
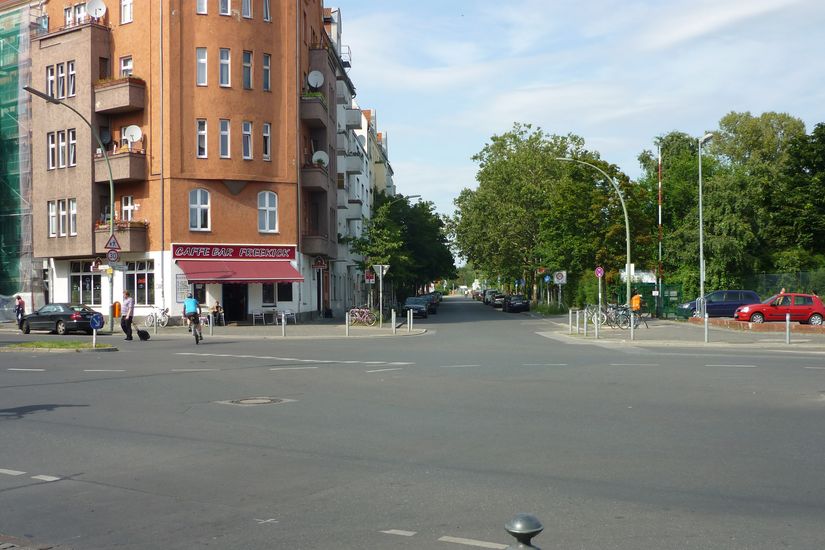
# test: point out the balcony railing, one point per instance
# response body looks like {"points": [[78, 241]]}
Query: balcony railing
{"points": [[314, 110], [126, 166], [315, 178], [131, 236], [122, 95]]}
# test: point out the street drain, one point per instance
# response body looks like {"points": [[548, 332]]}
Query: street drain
{"points": [[255, 401]]}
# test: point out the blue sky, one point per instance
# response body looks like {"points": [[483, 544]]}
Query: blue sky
{"points": [[445, 76]]}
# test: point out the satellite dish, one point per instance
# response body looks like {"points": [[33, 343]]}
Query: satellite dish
{"points": [[320, 157], [132, 133], [362, 140], [315, 79], [105, 136], [96, 8]]}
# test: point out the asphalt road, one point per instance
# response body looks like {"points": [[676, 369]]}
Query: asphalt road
{"points": [[423, 442]]}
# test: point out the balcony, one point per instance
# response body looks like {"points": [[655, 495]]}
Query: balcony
{"points": [[352, 119], [314, 111], [351, 164], [123, 95], [126, 166], [130, 235], [319, 245], [315, 178]]}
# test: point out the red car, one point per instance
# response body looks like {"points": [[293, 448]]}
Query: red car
{"points": [[804, 308]]}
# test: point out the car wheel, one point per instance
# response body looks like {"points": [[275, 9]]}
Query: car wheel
{"points": [[60, 328], [26, 327], [757, 318], [816, 319]]}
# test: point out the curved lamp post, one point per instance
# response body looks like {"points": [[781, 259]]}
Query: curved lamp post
{"points": [[701, 308], [624, 209], [56, 101]]}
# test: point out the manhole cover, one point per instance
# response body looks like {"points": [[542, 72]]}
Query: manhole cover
{"points": [[255, 401]]}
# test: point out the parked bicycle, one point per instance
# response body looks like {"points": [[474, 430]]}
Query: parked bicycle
{"points": [[363, 315], [162, 316]]}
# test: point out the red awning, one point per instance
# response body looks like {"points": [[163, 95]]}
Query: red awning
{"points": [[240, 271]]}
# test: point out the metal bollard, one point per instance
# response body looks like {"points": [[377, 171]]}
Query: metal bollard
{"points": [[577, 321], [393, 322], [598, 322], [706, 328], [569, 321], [409, 320], [632, 325], [346, 322], [155, 324], [787, 328], [523, 527], [585, 324], [211, 323], [283, 324]]}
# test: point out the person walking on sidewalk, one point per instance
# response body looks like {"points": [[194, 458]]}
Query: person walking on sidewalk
{"points": [[19, 311], [192, 311], [127, 314]]}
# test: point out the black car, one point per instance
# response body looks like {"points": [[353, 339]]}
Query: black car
{"points": [[721, 303], [516, 302], [60, 318], [418, 305]]}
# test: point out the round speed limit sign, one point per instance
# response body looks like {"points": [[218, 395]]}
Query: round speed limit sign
{"points": [[112, 255]]}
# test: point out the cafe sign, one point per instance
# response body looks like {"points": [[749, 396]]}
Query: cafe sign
{"points": [[232, 252]]}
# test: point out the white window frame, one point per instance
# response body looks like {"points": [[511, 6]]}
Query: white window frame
{"points": [[61, 81], [126, 11], [266, 78], [266, 134], [267, 10], [198, 205], [225, 7], [127, 208], [201, 7], [62, 217], [246, 61], [267, 212], [225, 67], [71, 134], [52, 207], [72, 217], [50, 80], [201, 65], [246, 140], [127, 66], [61, 149], [68, 16], [246, 9], [201, 139], [71, 79], [225, 143], [51, 151], [79, 13]]}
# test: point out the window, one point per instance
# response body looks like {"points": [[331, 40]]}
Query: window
{"points": [[68, 16], [61, 149], [267, 212], [284, 293], [73, 217], [266, 80], [247, 70], [62, 217], [267, 144], [139, 280], [223, 73], [200, 55], [267, 11], [50, 80], [268, 297], [52, 219], [126, 66], [225, 7], [72, 147], [125, 11], [84, 284], [225, 152], [803, 301], [127, 207], [51, 157], [61, 80], [71, 88], [200, 7], [246, 8], [199, 210], [80, 13], [247, 140], [201, 139]]}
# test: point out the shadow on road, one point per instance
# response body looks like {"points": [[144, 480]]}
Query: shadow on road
{"points": [[19, 412]]}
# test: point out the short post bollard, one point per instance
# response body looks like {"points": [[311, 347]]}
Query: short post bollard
{"points": [[787, 328], [211, 323], [346, 322], [585, 324], [598, 322], [632, 325], [283, 324], [570, 320], [155, 324], [410, 322], [577, 321], [523, 527], [393, 322], [706, 328]]}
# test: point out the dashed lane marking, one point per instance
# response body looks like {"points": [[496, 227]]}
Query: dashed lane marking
{"points": [[734, 366], [634, 364], [457, 366], [28, 370], [544, 364], [37, 477], [104, 370], [399, 532], [11, 472], [46, 478], [476, 543], [293, 368], [383, 370], [195, 370], [815, 368]]}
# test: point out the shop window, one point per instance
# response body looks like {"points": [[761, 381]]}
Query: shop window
{"points": [[139, 280], [84, 284]]}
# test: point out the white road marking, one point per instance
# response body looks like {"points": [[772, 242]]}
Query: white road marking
{"points": [[398, 363], [634, 364], [544, 364], [104, 370], [293, 368], [374, 362], [382, 370], [458, 366], [399, 532], [46, 478], [734, 366], [815, 368], [195, 370], [29, 370], [11, 472], [263, 521], [471, 542]]}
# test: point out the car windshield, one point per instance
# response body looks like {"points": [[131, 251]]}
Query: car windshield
{"points": [[771, 299], [82, 308], [414, 301]]}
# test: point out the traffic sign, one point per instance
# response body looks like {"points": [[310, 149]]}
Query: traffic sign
{"points": [[560, 277], [600, 272], [369, 276], [96, 321], [112, 243], [381, 269], [112, 255], [547, 278]]}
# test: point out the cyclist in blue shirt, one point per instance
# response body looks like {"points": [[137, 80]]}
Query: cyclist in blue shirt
{"points": [[192, 311]]}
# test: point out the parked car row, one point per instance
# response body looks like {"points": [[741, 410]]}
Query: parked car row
{"points": [[424, 304], [745, 305], [507, 302]]}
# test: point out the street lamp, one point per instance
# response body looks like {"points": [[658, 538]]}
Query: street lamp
{"points": [[701, 308], [56, 101], [624, 209]]}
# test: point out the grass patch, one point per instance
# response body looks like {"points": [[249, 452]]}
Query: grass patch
{"points": [[553, 309], [69, 344]]}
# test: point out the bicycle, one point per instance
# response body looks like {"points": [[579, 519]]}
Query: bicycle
{"points": [[162, 316], [362, 315], [196, 327]]}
